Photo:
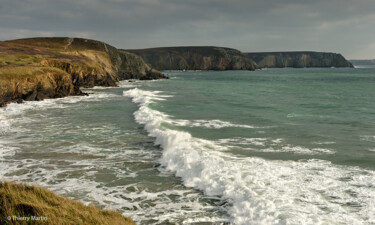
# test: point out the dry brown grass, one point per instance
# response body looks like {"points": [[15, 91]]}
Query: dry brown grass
{"points": [[16, 72], [8, 59], [26, 201]]}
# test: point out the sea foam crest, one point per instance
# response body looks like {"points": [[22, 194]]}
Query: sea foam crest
{"points": [[215, 124], [261, 191]]}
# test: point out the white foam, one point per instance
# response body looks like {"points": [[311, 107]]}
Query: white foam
{"points": [[368, 138], [127, 84], [261, 191], [5, 124], [6, 151], [300, 150], [270, 145], [323, 142], [13, 114], [76, 167], [17, 109], [216, 124], [243, 142]]}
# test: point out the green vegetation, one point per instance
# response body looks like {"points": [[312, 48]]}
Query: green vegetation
{"points": [[48, 43], [38, 68], [64, 43], [25, 71], [19, 60], [42, 206]]}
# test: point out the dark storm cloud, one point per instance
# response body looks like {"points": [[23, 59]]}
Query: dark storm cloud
{"points": [[344, 26]]}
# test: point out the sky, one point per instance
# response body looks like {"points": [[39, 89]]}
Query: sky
{"points": [[341, 26]]}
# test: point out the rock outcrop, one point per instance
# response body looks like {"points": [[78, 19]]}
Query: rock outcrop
{"points": [[298, 59], [195, 58], [39, 68], [40, 84]]}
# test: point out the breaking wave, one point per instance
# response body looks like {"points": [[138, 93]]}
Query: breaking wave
{"points": [[260, 191]]}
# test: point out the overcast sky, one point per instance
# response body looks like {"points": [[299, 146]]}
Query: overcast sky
{"points": [[342, 26]]}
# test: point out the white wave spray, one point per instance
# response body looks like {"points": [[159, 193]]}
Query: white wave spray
{"points": [[261, 191]]}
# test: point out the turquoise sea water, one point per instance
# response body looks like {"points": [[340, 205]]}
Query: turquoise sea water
{"points": [[274, 146]]}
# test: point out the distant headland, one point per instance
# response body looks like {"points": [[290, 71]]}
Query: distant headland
{"points": [[219, 58], [363, 62], [299, 59], [40, 68]]}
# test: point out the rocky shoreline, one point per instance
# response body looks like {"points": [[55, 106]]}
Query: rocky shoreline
{"points": [[39, 68]]}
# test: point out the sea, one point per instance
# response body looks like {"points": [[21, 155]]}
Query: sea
{"points": [[271, 146]]}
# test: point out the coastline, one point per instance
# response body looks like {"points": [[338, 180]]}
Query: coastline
{"points": [[104, 176], [59, 79], [42, 68]]}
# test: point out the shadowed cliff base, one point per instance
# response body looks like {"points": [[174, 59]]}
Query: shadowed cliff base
{"points": [[40, 68], [25, 204]]}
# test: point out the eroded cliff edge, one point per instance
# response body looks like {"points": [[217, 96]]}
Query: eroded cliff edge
{"points": [[195, 58], [39, 68], [298, 59]]}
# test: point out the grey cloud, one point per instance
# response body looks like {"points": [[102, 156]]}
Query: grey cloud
{"points": [[344, 26]]}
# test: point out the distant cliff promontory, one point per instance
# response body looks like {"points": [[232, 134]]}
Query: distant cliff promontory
{"points": [[363, 62], [298, 59], [219, 58], [39, 68], [195, 58]]}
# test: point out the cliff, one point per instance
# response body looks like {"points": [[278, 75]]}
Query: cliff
{"points": [[298, 59], [39, 68], [195, 58], [363, 62], [219, 58]]}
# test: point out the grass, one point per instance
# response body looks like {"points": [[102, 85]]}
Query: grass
{"points": [[25, 201], [50, 43], [63, 43], [83, 54], [7, 59], [11, 72]]}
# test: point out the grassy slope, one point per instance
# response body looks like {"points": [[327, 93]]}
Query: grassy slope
{"points": [[25, 201], [30, 53], [39, 68]]}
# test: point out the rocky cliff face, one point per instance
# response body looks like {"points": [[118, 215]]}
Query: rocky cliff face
{"points": [[45, 83], [135, 65], [298, 59], [38, 68], [195, 58]]}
